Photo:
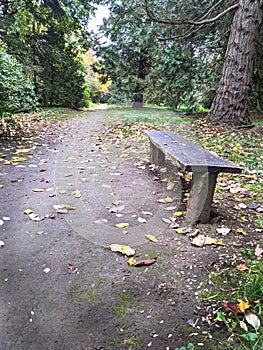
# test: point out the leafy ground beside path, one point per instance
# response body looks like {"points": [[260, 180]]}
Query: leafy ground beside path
{"points": [[66, 183]]}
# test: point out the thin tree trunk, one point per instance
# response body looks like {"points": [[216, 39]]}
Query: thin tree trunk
{"points": [[231, 103]]}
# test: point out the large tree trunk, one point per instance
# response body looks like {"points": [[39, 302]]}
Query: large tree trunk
{"points": [[231, 103]]}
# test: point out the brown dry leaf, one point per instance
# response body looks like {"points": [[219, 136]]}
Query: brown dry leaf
{"points": [[242, 267], [233, 307], [243, 306], [146, 262], [252, 319]]}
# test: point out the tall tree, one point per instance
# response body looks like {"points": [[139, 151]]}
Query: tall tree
{"points": [[231, 104], [129, 52]]}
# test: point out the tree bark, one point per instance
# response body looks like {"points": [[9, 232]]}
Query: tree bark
{"points": [[231, 103]]}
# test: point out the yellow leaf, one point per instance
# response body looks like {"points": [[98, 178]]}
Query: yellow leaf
{"points": [[242, 231], [243, 306], [37, 190], [131, 261], [124, 249], [178, 213], [209, 240], [165, 200], [28, 211], [68, 174], [19, 159], [151, 238], [122, 225]]}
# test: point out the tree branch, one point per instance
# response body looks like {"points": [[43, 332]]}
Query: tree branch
{"points": [[152, 17]]}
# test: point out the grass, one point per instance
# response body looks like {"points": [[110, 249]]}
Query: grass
{"points": [[232, 285], [158, 118]]}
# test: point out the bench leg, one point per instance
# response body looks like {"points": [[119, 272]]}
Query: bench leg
{"points": [[201, 198], [157, 157]]}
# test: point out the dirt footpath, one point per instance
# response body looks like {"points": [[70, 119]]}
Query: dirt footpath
{"points": [[61, 287]]}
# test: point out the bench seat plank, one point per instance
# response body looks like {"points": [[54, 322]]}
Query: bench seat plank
{"points": [[190, 156]]}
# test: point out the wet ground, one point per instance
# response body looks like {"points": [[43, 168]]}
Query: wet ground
{"points": [[61, 287]]}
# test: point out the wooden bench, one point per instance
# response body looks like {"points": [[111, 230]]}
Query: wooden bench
{"points": [[191, 157]]}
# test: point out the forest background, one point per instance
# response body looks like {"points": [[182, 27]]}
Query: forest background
{"points": [[166, 53]]}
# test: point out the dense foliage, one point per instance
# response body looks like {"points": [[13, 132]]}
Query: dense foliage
{"points": [[16, 91], [46, 38]]}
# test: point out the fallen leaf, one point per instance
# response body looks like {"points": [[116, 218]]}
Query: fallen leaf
{"points": [[209, 240], [258, 252], [243, 306], [116, 209], [142, 220], [242, 231], [178, 213], [183, 230], [199, 241], [63, 206], [242, 268], [124, 249], [151, 238], [69, 174], [19, 159], [243, 325], [133, 262], [38, 190], [76, 194], [34, 217], [252, 319], [147, 213], [174, 225], [165, 200], [122, 225], [28, 211], [46, 270], [167, 221], [100, 221], [223, 230], [233, 307], [170, 208]]}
